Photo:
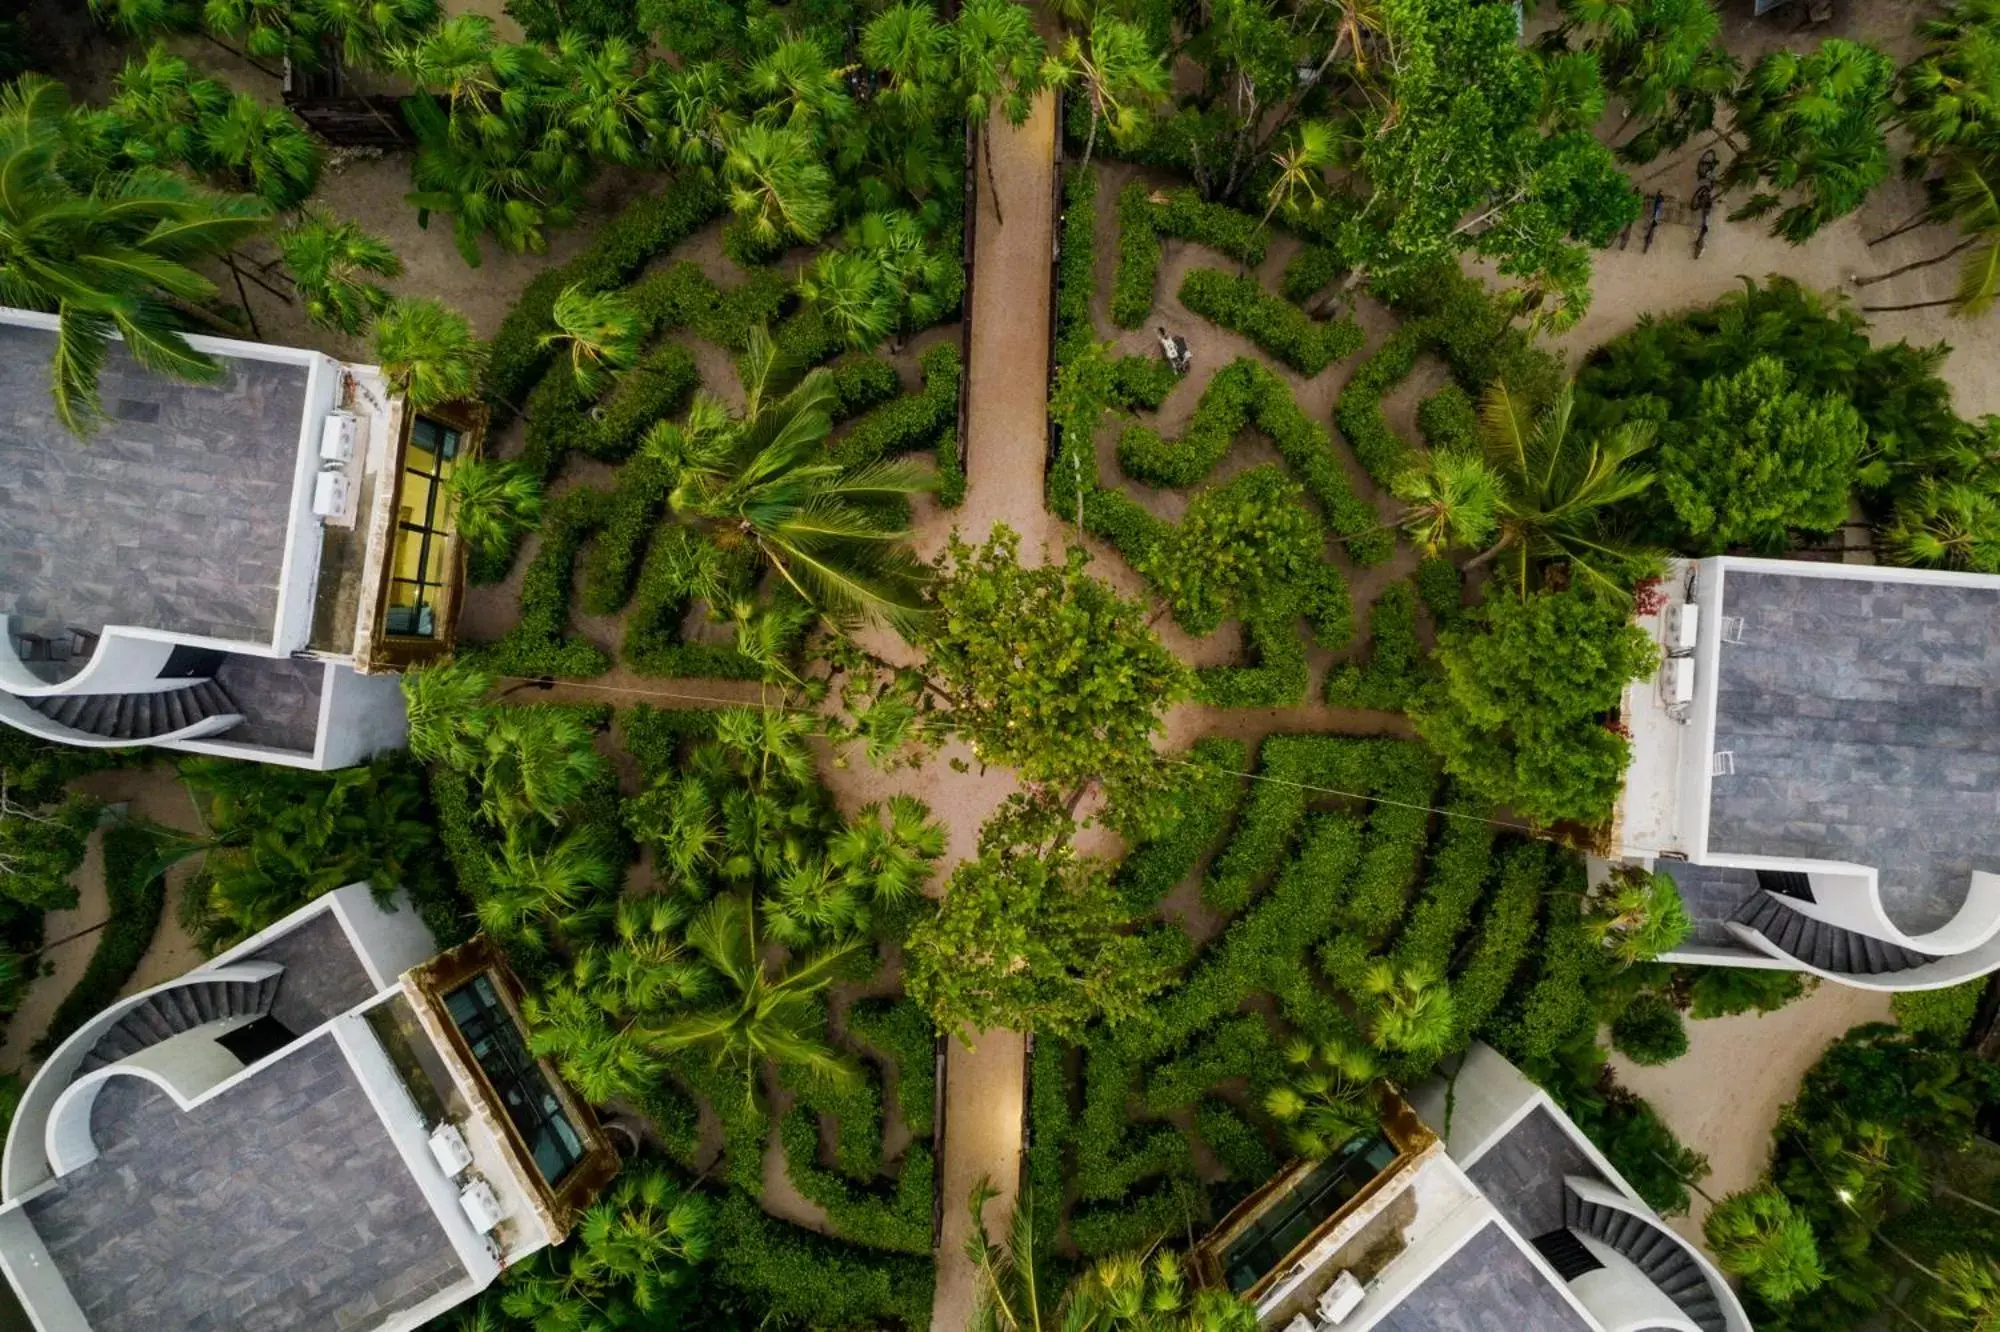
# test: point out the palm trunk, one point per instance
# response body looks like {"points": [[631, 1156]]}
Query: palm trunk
{"points": [[1090, 141], [1920, 218], [244, 56], [1959, 248], [1950, 1192], [1914, 305], [986, 152], [1902, 1253]]}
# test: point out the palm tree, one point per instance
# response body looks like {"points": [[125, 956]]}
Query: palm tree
{"points": [[892, 861], [761, 1016], [999, 58], [1637, 914], [698, 116], [813, 901], [331, 260], [606, 97], [1009, 1297], [1969, 194], [824, 528], [648, 968], [368, 29], [632, 1249], [1758, 1236], [602, 329], [1814, 123], [495, 504], [1133, 1293], [264, 149], [1327, 1097], [1555, 491], [140, 18], [680, 818], [800, 89], [908, 44], [1949, 98], [109, 262], [1409, 1009], [853, 294], [428, 351], [532, 887], [1453, 499], [162, 107], [1301, 170], [1120, 74], [1968, 1293], [1946, 523], [533, 763], [598, 1048], [448, 715], [779, 188]]}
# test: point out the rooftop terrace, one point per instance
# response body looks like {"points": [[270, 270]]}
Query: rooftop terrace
{"points": [[171, 516], [280, 1203], [1864, 720]]}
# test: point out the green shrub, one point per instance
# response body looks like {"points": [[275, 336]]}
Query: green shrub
{"points": [[1240, 1148], [951, 468], [746, 1128], [1138, 1220], [676, 1118], [861, 382], [655, 736], [910, 422], [1501, 943], [1077, 252], [1723, 991], [1448, 421], [1048, 1134], [1396, 669], [1226, 405], [1112, 1155], [1945, 1015], [1142, 381], [638, 496], [1309, 271], [1279, 677], [1631, 1134], [1561, 1003], [791, 1273], [1650, 1031], [649, 226], [1458, 872], [652, 644], [538, 644], [1398, 827], [898, 1220], [136, 857], [1205, 798], [1236, 1048], [1277, 326], [1138, 258], [902, 1031], [1441, 587]]}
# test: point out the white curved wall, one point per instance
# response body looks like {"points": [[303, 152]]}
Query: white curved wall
{"points": [[1622, 1297]]}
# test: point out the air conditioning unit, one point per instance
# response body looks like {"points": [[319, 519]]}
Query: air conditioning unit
{"points": [[331, 495], [1340, 1299], [481, 1206], [1301, 1323], [336, 437], [1683, 626], [1677, 680], [449, 1150]]}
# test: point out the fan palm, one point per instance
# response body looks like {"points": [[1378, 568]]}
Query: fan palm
{"points": [[1946, 524], [331, 260], [1637, 914], [1453, 499], [533, 888], [264, 149], [1327, 1096], [800, 89], [601, 328], [892, 861], [761, 1016], [632, 1249], [853, 293], [911, 48], [698, 114], [681, 819], [813, 901], [428, 351], [599, 1049], [1133, 1293], [1119, 74], [534, 763], [1758, 1236], [999, 59], [1813, 123], [824, 528], [1556, 489], [1969, 195], [141, 18], [779, 188], [448, 716], [368, 29], [606, 96], [107, 262], [1968, 1292], [495, 504], [1409, 1009], [161, 107]]}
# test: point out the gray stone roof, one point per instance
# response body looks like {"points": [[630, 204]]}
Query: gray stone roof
{"points": [[1522, 1174], [281, 1203], [1489, 1285], [1864, 718], [1713, 894], [171, 516]]}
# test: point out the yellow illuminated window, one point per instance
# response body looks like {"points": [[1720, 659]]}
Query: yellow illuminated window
{"points": [[420, 560]]}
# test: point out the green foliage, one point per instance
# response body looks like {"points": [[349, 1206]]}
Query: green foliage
{"points": [[1560, 1005], [1452, 887], [1944, 1015], [1448, 420], [1518, 717], [1724, 991], [898, 1220], [136, 857], [792, 1273], [539, 644], [494, 505], [1026, 941], [900, 1030], [655, 736], [1205, 798], [1814, 127], [427, 351], [678, 567], [1760, 458], [1395, 672], [1183, 214], [40, 848], [1309, 271], [565, 417], [634, 1259], [649, 226], [1500, 944], [1757, 1235], [1238, 1145], [1650, 1031], [637, 498], [1441, 588], [912, 422], [1277, 326], [1241, 545]]}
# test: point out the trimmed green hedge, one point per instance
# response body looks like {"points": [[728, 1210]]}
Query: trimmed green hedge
{"points": [[136, 858], [1501, 941], [794, 1274], [1441, 587], [637, 498], [898, 1218], [1049, 1131], [659, 603], [1448, 421], [649, 226], [913, 421], [1205, 799], [1182, 214], [1235, 1142], [1395, 672], [1309, 271], [539, 644], [1077, 252], [1459, 870], [1559, 1006], [1279, 675], [1138, 1220], [902, 1031], [655, 736], [1279, 327]]}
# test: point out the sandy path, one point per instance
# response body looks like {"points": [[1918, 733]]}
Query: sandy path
{"points": [[1723, 1096]]}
